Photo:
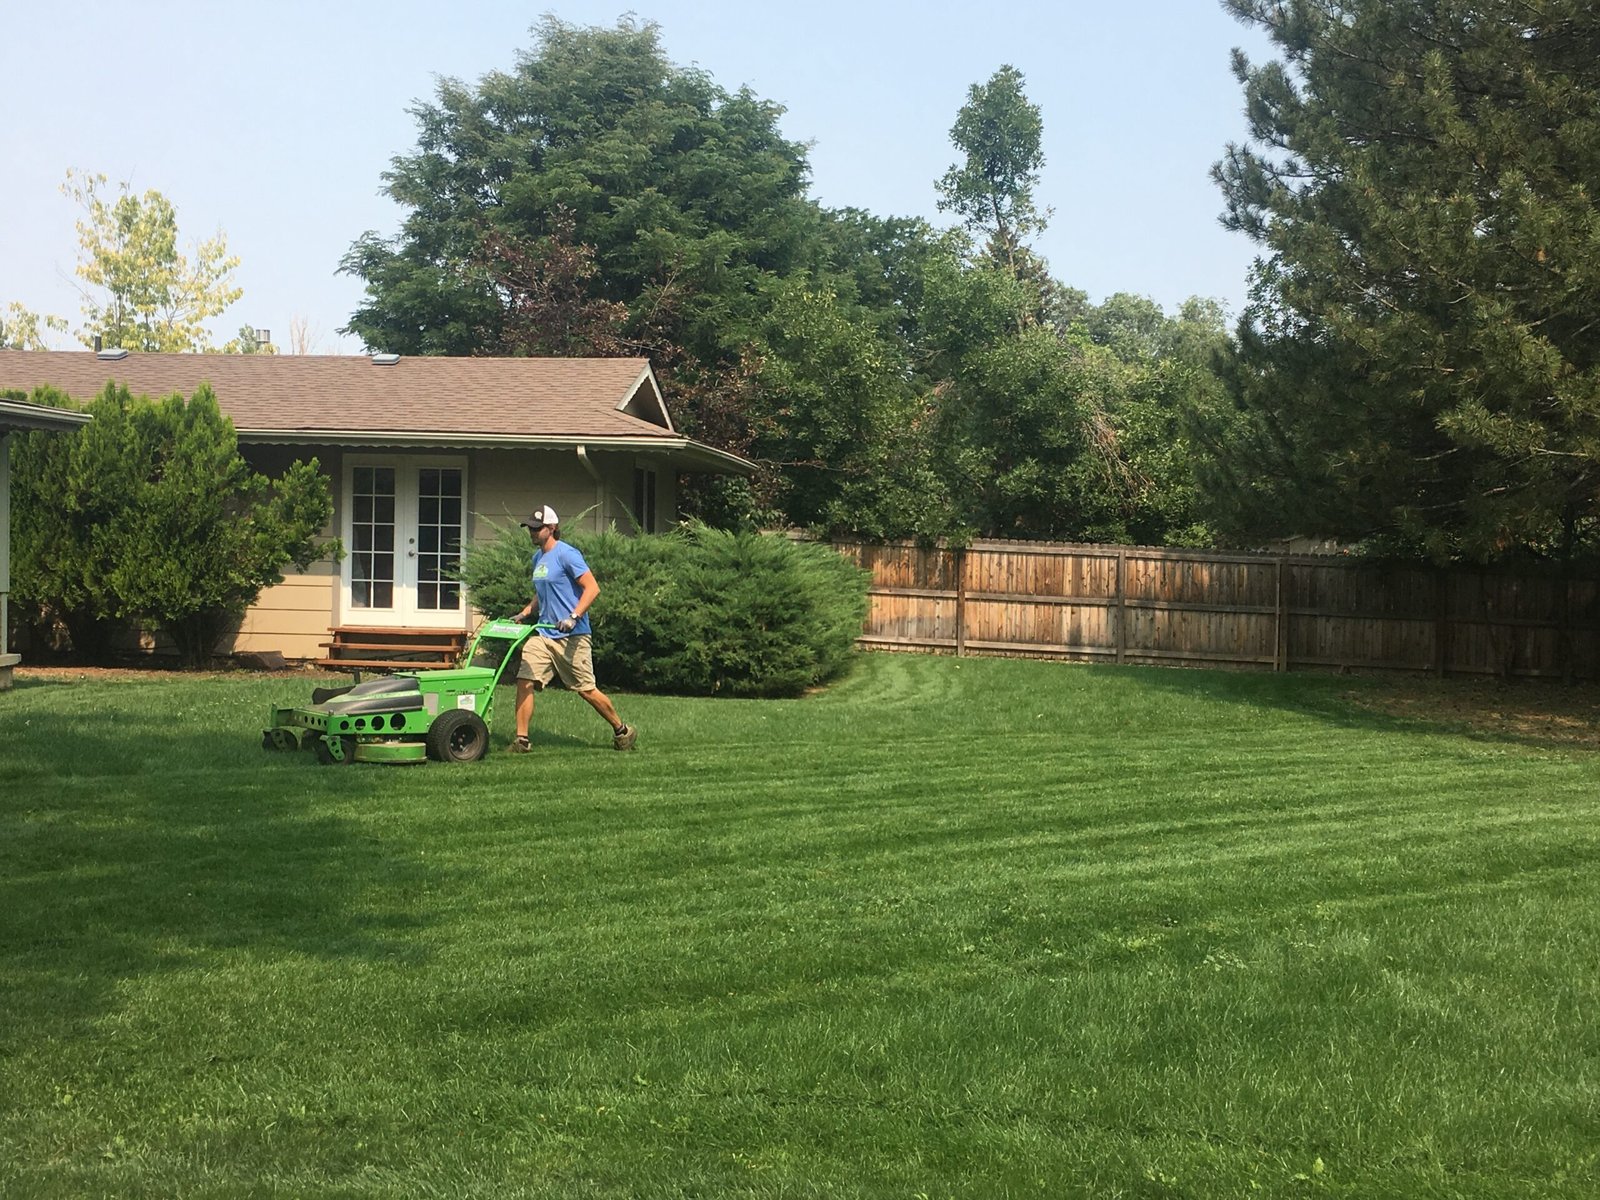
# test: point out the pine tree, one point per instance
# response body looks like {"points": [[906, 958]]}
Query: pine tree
{"points": [[1420, 359]]}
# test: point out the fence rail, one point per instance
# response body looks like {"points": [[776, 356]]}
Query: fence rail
{"points": [[1141, 604]]}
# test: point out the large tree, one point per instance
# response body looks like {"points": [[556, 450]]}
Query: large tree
{"points": [[1420, 360], [844, 437], [999, 133], [1026, 436], [677, 196], [142, 292]]}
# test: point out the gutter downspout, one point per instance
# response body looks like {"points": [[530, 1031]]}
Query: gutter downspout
{"points": [[599, 487]]}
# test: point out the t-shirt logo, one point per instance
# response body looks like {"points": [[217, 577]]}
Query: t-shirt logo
{"points": [[541, 572]]}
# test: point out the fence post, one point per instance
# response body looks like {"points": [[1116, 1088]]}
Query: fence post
{"points": [[1441, 627], [961, 600], [1280, 631], [1122, 604], [1564, 634]]}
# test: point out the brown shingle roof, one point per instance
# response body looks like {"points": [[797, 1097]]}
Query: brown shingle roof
{"points": [[349, 400], [516, 397]]}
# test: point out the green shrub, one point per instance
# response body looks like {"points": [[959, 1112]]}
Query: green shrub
{"points": [[698, 611], [148, 514]]}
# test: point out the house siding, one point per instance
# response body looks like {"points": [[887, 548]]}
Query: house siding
{"points": [[510, 484], [503, 486], [292, 617]]}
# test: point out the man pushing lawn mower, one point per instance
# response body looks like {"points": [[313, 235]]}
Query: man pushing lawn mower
{"points": [[563, 590]]}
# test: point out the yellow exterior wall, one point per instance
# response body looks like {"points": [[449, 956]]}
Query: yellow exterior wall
{"points": [[503, 487], [292, 617], [506, 485]]}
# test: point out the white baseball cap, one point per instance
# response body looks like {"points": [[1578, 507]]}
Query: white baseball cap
{"points": [[544, 515]]}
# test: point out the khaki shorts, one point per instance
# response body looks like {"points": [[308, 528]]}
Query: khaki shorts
{"points": [[545, 658]]}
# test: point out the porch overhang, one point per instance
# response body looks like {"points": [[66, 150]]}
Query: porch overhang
{"points": [[17, 415], [681, 453]]}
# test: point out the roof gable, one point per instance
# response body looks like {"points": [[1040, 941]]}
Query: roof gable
{"points": [[646, 402]]}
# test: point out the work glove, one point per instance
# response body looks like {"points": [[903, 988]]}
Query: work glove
{"points": [[567, 624]]}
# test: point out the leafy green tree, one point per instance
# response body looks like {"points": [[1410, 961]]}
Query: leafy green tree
{"points": [[65, 489], [843, 434], [23, 329], [1133, 327], [1173, 386], [1420, 359], [1025, 430], [149, 514], [998, 132], [143, 293], [685, 195]]}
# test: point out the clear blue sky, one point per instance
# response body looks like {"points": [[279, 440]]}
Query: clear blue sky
{"points": [[274, 122]]}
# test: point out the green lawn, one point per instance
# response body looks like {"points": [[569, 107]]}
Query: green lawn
{"points": [[975, 928]]}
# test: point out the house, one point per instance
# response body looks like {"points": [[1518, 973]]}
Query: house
{"points": [[16, 416], [422, 454]]}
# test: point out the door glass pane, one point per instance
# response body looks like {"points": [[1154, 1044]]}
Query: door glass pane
{"points": [[372, 527], [438, 538]]}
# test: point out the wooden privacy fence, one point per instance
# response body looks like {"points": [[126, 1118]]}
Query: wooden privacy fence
{"points": [[1139, 604]]}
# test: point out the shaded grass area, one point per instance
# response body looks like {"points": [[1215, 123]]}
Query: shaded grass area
{"points": [[974, 928]]}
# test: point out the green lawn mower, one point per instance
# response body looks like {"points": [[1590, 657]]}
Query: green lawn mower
{"points": [[444, 715]]}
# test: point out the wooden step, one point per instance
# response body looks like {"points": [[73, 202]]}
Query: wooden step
{"points": [[378, 665], [430, 647], [406, 631], [379, 649]]}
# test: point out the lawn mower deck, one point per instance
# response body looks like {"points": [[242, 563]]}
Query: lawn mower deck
{"points": [[444, 715]]}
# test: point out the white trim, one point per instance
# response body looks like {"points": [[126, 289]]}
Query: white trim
{"points": [[647, 375], [17, 414]]}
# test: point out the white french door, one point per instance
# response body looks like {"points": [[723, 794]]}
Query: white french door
{"points": [[403, 528]]}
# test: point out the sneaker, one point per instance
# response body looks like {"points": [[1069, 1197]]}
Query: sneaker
{"points": [[625, 738], [520, 746]]}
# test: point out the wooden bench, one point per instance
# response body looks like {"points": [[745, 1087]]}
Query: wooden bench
{"points": [[368, 649]]}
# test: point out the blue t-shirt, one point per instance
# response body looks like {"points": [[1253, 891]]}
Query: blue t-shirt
{"points": [[555, 583]]}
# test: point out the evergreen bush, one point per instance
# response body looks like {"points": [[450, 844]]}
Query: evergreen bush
{"points": [[148, 514], [698, 611]]}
